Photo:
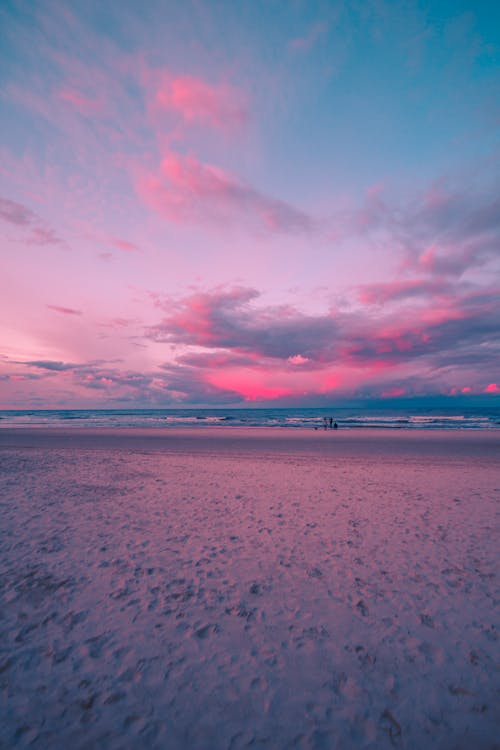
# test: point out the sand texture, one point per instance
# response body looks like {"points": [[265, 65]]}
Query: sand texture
{"points": [[250, 592]]}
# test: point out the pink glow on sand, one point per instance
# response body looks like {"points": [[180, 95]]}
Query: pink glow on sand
{"points": [[347, 577]]}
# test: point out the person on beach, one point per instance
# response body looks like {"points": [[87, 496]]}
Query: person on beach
{"points": [[331, 422], [335, 426]]}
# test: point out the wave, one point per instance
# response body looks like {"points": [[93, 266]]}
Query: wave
{"points": [[232, 418]]}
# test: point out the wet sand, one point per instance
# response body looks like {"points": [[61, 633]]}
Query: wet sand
{"points": [[228, 588], [357, 442]]}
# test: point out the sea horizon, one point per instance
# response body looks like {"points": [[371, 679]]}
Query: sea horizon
{"points": [[346, 417]]}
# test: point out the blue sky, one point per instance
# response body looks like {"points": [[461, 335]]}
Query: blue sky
{"points": [[209, 202]]}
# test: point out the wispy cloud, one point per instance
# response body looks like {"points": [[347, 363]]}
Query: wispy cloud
{"points": [[20, 216], [125, 245], [64, 310], [310, 38], [217, 105], [187, 190], [53, 366], [401, 289], [86, 105], [16, 213], [442, 232]]}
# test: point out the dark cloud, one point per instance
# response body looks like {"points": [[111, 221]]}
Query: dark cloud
{"points": [[444, 232], [465, 327], [436, 322], [214, 359], [225, 319], [453, 232], [47, 364], [173, 384]]}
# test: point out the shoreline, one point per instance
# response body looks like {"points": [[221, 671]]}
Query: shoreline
{"points": [[363, 442]]}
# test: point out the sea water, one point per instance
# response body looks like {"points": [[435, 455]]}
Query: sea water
{"points": [[347, 418]]}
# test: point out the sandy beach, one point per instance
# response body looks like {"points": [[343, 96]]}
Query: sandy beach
{"points": [[249, 588]]}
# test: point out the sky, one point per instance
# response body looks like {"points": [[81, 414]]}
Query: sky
{"points": [[249, 203]]}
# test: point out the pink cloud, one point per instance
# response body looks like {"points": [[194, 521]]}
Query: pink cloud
{"points": [[251, 385], [85, 105], [124, 245], [263, 382], [298, 360], [65, 310], [393, 393], [250, 348], [185, 189], [391, 291], [492, 388], [221, 106]]}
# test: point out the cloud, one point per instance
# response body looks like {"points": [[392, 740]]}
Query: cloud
{"points": [[392, 291], [51, 365], [308, 40], [118, 323], [448, 232], [185, 189], [298, 359], [15, 213], [492, 388], [65, 310], [85, 105], [236, 344], [125, 245], [442, 232], [43, 236], [21, 216], [220, 106], [225, 319], [234, 348]]}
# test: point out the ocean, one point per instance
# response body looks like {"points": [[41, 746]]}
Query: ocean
{"points": [[479, 418]]}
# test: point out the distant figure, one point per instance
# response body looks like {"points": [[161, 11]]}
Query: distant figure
{"points": [[331, 422], [335, 426], [324, 423]]}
